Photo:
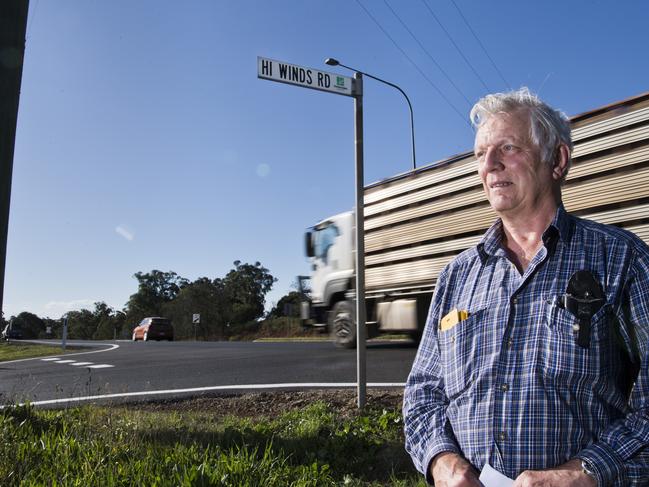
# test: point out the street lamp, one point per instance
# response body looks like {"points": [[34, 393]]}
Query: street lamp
{"points": [[334, 62]]}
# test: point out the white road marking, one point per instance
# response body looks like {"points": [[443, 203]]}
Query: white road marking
{"points": [[112, 346], [74, 363], [295, 385]]}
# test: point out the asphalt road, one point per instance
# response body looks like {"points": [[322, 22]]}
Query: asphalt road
{"points": [[151, 367]]}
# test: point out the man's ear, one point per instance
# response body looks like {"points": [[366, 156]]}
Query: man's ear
{"points": [[561, 161]]}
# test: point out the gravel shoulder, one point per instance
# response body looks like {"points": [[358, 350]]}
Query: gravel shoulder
{"points": [[272, 404]]}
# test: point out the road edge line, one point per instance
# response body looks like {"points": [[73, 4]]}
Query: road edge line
{"points": [[249, 387]]}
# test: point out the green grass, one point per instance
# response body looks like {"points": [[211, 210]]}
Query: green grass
{"points": [[20, 350], [96, 446]]}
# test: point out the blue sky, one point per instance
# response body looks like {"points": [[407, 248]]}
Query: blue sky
{"points": [[146, 141]]}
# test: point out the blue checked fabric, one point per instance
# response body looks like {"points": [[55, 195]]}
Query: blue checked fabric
{"points": [[509, 386]]}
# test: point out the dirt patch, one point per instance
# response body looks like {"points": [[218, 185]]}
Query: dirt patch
{"points": [[272, 404]]}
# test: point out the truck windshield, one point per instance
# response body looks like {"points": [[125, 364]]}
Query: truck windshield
{"points": [[323, 239]]}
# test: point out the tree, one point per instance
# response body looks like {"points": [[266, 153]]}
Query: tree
{"points": [[155, 288], [204, 297], [246, 287], [108, 322], [30, 324], [81, 324], [85, 324], [288, 305], [55, 327]]}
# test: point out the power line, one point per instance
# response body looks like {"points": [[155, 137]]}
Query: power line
{"points": [[456, 46], [403, 24], [414, 64], [481, 45]]}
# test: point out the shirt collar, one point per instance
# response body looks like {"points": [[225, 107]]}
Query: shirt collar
{"points": [[560, 228], [562, 225], [490, 242]]}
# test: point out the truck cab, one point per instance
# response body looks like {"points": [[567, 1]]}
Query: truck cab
{"points": [[329, 248]]}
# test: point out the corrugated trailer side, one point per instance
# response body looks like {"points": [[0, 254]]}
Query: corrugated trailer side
{"points": [[417, 222]]}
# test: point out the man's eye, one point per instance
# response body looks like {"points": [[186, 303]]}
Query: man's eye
{"points": [[508, 148], [479, 155]]}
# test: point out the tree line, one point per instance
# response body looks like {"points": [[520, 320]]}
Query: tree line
{"points": [[228, 307]]}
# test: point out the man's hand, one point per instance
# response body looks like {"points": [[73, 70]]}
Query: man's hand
{"points": [[451, 470], [567, 475]]}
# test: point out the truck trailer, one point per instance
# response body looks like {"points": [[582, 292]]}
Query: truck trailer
{"points": [[417, 222]]}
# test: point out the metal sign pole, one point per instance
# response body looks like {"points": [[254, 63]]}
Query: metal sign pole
{"points": [[360, 242]]}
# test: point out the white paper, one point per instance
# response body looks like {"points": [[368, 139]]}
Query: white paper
{"points": [[493, 478]]}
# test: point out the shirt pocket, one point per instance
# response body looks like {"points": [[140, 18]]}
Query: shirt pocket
{"points": [[460, 356], [564, 361]]}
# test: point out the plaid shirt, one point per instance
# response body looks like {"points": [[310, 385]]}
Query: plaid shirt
{"points": [[510, 387]]}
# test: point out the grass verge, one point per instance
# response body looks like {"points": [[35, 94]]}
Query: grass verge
{"points": [[312, 445], [19, 350]]}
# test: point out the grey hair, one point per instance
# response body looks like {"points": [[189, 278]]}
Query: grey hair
{"points": [[548, 127]]}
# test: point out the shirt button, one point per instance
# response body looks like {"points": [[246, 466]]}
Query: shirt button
{"points": [[504, 387], [502, 436], [514, 300], [510, 343]]}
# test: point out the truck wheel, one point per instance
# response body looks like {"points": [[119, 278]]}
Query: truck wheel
{"points": [[343, 324]]}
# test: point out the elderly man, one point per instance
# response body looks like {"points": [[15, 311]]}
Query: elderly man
{"points": [[535, 355]]}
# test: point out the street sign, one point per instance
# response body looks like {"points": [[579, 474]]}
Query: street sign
{"points": [[306, 77], [196, 319]]}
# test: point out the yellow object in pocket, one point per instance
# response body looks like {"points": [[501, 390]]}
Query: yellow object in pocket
{"points": [[452, 319]]}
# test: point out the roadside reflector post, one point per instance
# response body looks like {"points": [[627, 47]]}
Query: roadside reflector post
{"points": [[196, 320], [64, 336]]}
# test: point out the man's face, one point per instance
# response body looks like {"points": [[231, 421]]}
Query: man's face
{"points": [[514, 178]]}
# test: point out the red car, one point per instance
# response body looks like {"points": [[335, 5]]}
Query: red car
{"points": [[153, 328]]}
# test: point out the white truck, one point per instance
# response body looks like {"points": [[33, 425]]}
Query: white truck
{"points": [[416, 222]]}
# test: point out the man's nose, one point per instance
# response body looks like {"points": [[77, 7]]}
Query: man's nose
{"points": [[492, 159]]}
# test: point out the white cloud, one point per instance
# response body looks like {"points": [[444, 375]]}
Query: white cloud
{"points": [[125, 232], [57, 308], [263, 170]]}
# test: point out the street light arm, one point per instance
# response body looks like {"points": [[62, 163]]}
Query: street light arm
{"points": [[334, 62], [412, 122]]}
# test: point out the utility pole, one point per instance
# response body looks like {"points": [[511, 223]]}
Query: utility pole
{"points": [[13, 26]]}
